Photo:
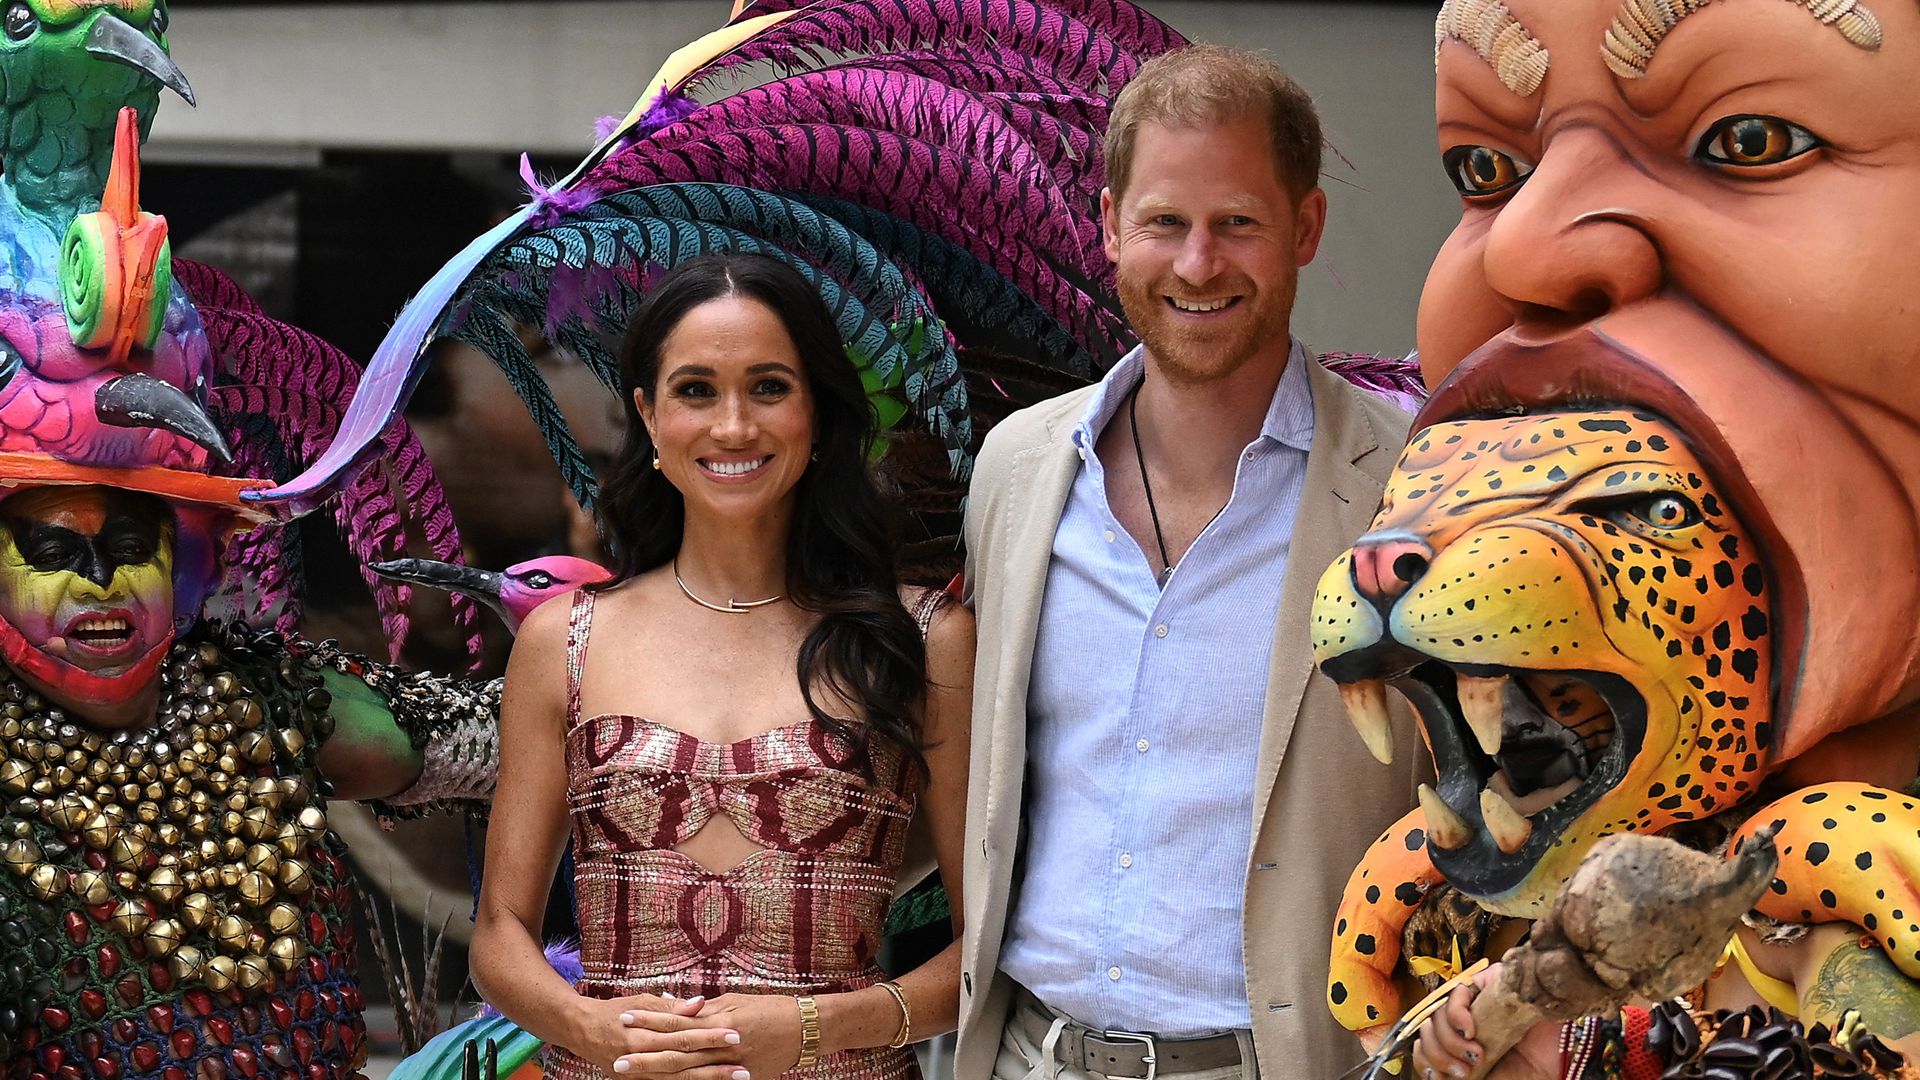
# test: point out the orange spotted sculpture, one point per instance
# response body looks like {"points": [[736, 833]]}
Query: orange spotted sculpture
{"points": [[1651, 561]]}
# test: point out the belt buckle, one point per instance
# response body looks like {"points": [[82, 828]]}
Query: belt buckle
{"points": [[1151, 1059]]}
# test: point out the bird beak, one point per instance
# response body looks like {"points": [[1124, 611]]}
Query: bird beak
{"points": [[116, 39], [142, 401], [481, 585]]}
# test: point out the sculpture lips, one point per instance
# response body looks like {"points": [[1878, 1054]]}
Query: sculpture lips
{"points": [[116, 39], [142, 401]]}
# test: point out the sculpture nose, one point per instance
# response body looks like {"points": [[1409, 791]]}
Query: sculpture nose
{"points": [[1385, 566]]}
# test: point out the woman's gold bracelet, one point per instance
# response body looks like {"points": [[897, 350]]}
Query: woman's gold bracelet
{"points": [[906, 1014], [809, 1032]]}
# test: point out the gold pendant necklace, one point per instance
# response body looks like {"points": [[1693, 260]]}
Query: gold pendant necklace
{"points": [[732, 606]]}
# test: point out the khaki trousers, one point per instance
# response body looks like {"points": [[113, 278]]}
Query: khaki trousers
{"points": [[1027, 1050]]}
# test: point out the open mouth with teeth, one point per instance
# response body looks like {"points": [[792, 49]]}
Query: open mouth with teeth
{"points": [[734, 469], [102, 633], [1201, 307], [1520, 755]]}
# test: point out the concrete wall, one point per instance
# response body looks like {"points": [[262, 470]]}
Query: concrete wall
{"points": [[282, 82]]}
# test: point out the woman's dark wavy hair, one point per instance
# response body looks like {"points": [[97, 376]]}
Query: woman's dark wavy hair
{"points": [[841, 543]]}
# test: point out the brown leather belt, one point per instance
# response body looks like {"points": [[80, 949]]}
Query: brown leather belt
{"points": [[1133, 1055]]}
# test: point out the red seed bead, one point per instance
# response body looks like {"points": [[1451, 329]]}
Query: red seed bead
{"points": [[57, 1018], [108, 958], [281, 1012], [52, 1057], [303, 1046], [182, 1043], [125, 1030], [146, 1057], [173, 1072], [199, 1003], [246, 1062], [159, 977], [160, 1017], [106, 1068], [129, 991], [93, 1003]]}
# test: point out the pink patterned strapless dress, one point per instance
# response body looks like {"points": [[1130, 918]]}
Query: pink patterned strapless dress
{"points": [[803, 915]]}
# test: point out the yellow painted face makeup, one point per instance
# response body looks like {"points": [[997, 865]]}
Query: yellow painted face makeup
{"points": [[86, 576]]}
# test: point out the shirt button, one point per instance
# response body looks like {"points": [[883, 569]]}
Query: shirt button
{"points": [[1141, 746], [1126, 860], [1160, 631], [1113, 973], [1109, 536], [1249, 455]]}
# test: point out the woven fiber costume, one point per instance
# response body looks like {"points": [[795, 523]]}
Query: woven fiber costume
{"points": [[172, 903], [1651, 560]]}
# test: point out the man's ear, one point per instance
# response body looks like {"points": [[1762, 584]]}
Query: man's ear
{"points": [[1110, 224], [1309, 223]]}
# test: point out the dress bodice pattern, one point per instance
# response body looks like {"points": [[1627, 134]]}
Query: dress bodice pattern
{"points": [[804, 914]]}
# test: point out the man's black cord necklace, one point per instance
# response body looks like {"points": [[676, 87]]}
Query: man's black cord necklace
{"points": [[1140, 455]]}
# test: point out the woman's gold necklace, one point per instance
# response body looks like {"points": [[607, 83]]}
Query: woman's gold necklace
{"points": [[732, 606]]}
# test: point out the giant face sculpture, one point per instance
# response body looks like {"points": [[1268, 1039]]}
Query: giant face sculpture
{"points": [[1711, 210]]}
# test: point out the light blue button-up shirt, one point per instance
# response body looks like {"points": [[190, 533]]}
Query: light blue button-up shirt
{"points": [[1143, 726]]}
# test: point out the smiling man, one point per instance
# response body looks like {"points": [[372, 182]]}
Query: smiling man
{"points": [[1149, 853]]}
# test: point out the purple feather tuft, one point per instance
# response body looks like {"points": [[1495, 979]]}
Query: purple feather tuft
{"points": [[564, 958], [670, 107], [550, 204]]}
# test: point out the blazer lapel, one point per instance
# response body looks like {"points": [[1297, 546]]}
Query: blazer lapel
{"points": [[1337, 502], [1039, 480]]}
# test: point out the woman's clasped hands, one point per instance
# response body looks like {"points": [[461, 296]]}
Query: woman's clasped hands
{"points": [[731, 1037], [649, 1037]]}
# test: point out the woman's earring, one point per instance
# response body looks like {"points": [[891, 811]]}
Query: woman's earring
{"points": [[815, 456], [656, 459]]}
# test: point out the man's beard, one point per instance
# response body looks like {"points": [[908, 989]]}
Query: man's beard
{"points": [[1259, 319]]}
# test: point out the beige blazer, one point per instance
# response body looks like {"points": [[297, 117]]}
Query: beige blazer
{"points": [[1320, 799]]}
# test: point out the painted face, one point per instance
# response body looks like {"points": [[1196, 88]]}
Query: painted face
{"points": [[1696, 214], [86, 592], [1207, 245], [1583, 625], [731, 415]]}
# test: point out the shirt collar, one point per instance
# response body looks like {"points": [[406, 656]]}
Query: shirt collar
{"points": [[1289, 419]]}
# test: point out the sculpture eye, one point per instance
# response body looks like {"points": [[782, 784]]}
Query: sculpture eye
{"points": [[1747, 142], [1482, 170], [539, 579], [19, 21], [159, 22], [1660, 510]]}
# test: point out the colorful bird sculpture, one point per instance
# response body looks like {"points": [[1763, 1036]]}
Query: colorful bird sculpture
{"points": [[512, 593]]}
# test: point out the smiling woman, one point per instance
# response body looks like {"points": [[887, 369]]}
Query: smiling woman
{"points": [[766, 710]]}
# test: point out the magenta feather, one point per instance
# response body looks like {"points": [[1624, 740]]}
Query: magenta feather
{"points": [[1397, 380], [1021, 228], [302, 384], [1007, 137], [1052, 38]]}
